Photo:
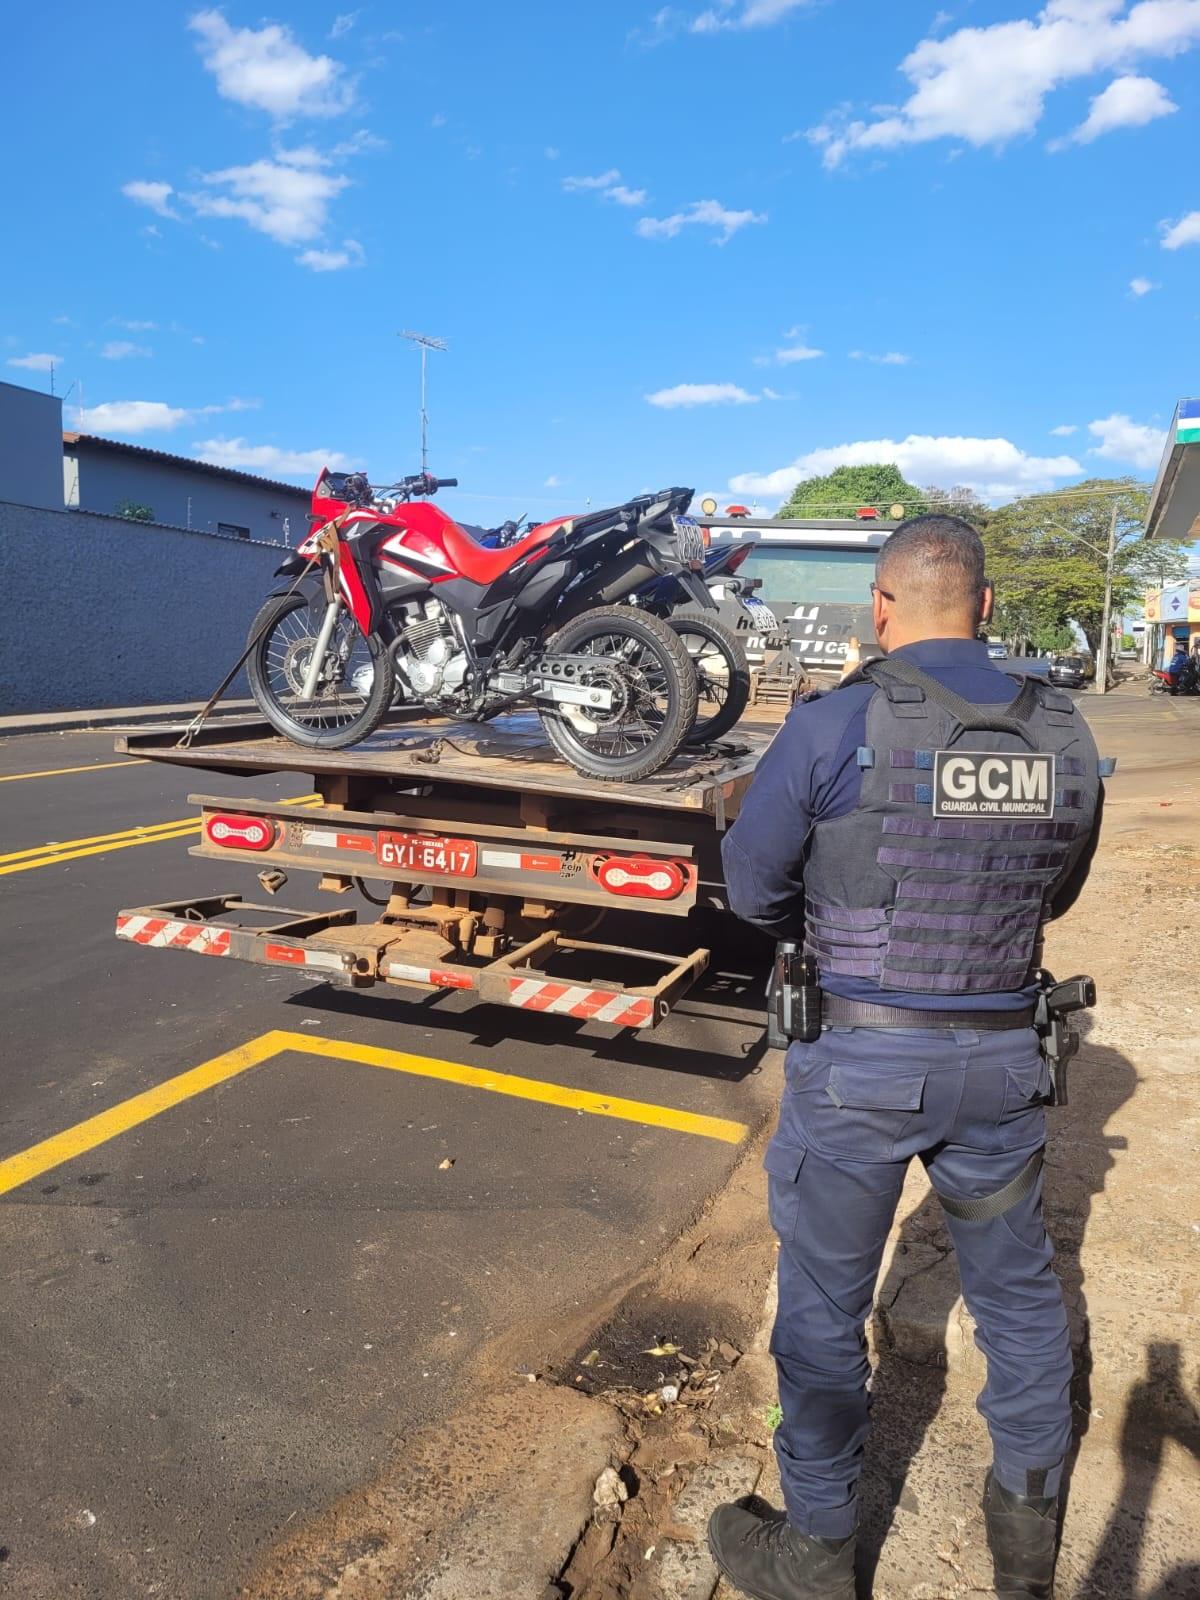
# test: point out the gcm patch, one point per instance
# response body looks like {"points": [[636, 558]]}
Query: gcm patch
{"points": [[978, 783]]}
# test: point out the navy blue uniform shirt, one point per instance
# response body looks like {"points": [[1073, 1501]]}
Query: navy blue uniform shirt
{"points": [[810, 774]]}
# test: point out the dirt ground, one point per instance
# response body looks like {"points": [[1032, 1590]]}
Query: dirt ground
{"points": [[670, 1386]]}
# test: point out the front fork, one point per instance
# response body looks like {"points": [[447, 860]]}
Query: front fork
{"points": [[317, 659]]}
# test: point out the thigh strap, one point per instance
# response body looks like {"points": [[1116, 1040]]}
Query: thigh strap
{"points": [[995, 1205]]}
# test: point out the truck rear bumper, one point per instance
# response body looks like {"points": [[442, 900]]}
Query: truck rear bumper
{"points": [[334, 947]]}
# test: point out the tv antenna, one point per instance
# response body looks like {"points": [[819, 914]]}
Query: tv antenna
{"points": [[425, 343]]}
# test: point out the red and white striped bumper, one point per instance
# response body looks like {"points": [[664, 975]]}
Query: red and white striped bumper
{"points": [[163, 933]]}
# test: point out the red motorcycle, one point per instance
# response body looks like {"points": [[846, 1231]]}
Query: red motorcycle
{"points": [[389, 588]]}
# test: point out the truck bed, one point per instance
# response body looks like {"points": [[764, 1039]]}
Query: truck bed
{"points": [[509, 754]]}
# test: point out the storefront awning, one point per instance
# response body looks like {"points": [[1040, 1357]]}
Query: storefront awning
{"points": [[1175, 503]]}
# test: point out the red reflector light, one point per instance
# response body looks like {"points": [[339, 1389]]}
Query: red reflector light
{"points": [[238, 833], [641, 878]]}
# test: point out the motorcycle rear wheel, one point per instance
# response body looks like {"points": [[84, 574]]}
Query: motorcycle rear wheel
{"points": [[722, 674], [646, 663], [340, 714]]}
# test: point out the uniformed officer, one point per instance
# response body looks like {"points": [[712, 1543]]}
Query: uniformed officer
{"points": [[915, 827]]}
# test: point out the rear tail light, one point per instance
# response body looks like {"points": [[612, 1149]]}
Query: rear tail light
{"points": [[232, 832], [639, 878], [738, 557]]}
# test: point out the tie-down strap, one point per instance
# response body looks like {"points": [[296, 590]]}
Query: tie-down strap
{"points": [[995, 1205]]}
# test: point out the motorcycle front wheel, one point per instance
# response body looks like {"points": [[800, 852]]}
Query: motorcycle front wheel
{"points": [[354, 688], [722, 674], [644, 665]]}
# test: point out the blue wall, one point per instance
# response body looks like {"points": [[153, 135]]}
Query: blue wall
{"points": [[100, 611]]}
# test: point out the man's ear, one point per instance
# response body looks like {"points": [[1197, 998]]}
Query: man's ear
{"points": [[877, 605], [988, 603]]}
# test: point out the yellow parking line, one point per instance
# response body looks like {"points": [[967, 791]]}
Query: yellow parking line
{"points": [[45, 855], [97, 1130], [550, 1094], [59, 772]]}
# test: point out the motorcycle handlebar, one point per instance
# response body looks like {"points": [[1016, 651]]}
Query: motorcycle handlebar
{"points": [[445, 483]]}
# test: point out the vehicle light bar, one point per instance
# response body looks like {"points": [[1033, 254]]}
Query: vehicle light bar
{"points": [[232, 832], [641, 878]]}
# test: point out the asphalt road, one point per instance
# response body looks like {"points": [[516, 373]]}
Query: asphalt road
{"points": [[216, 1322]]}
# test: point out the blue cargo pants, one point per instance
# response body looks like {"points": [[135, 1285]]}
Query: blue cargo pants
{"points": [[859, 1105]]}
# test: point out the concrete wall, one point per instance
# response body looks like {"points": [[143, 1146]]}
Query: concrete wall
{"points": [[30, 446], [99, 479], [100, 611]]}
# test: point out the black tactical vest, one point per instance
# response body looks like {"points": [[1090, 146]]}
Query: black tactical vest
{"points": [[969, 818]]}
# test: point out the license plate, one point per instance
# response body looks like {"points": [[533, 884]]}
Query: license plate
{"points": [[762, 616], [689, 540], [425, 852]]}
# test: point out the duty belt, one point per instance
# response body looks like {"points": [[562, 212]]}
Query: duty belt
{"points": [[837, 1012]]}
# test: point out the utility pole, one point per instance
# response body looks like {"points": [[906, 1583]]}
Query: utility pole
{"points": [[425, 342], [1106, 626]]}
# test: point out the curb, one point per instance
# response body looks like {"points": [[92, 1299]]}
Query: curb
{"points": [[113, 717]]}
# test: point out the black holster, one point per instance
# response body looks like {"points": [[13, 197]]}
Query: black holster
{"points": [[793, 997], [1059, 1041]]}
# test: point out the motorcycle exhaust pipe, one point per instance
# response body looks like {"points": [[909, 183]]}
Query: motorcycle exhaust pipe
{"points": [[618, 580]]}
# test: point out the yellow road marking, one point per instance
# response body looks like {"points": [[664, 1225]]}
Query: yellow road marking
{"points": [[59, 772], [550, 1094], [45, 855], [85, 1136], [97, 1130]]}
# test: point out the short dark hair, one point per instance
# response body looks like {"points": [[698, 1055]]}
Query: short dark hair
{"points": [[937, 561]]}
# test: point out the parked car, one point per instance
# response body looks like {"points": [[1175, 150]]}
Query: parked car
{"points": [[998, 652], [1068, 672]]}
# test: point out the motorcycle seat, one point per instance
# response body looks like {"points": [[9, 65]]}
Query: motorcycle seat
{"points": [[481, 565]]}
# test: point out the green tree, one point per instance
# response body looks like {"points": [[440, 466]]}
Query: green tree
{"points": [[135, 512], [841, 492], [1048, 555]]}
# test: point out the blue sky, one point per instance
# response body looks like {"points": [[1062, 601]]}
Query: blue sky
{"points": [[718, 243]]}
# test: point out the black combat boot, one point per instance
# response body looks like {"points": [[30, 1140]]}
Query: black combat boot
{"points": [[1022, 1534], [764, 1557]]}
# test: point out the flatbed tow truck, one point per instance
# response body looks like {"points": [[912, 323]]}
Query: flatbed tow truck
{"points": [[495, 861]]}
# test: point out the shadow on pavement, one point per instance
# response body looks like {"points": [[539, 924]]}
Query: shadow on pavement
{"points": [[910, 1382], [1158, 1409], [725, 1026]]}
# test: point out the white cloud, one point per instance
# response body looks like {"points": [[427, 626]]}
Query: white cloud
{"points": [[1064, 430], [122, 349], [1140, 286], [608, 185], [701, 213], [788, 356], [343, 23], [551, 153], [986, 85], [701, 394], [994, 468], [604, 180], [269, 459], [770, 394], [349, 255], [891, 358], [624, 196], [1128, 102], [1186, 231], [726, 15], [1121, 439], [287, 198], [132, 325], [132, 416], [154, 195], [35, 363], [265, 69], [552, 482], [364, 142]]}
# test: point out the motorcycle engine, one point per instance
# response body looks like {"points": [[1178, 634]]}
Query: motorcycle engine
{"points": [[428, 653]]}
